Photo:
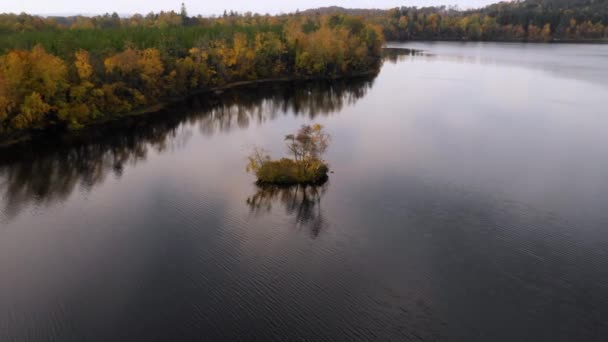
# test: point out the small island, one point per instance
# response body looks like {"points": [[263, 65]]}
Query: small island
{"points": [[307, 146]]}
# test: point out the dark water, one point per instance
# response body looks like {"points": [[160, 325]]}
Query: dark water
{"points": [[469, 203]]}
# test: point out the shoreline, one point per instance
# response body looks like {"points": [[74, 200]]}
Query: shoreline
{"points": [[600, 41], [22, 138]]}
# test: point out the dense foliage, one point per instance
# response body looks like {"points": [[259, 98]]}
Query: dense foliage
{"points": [[68, 73], [530, 20]]}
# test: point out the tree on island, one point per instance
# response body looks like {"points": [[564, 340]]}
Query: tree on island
{"points": [[307, 145]]}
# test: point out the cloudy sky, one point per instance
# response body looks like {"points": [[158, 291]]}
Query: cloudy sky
{"points": [[207, 7]]}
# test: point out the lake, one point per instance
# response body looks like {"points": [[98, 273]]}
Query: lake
{"points": [[469, 202]]}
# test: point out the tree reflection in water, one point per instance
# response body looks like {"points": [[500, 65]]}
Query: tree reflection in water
{"points": [[396, 55], [301, 202], [50, 169]]}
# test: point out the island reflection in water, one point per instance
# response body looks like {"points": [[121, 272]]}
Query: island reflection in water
{"points": [[48, 171], [301, 202]]}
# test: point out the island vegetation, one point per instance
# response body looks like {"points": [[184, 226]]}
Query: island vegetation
{"points": [[307, 146], [58, 74]]}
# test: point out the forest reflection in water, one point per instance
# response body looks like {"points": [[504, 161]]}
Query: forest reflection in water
{"points": [[49, 170], [301, 202], [395, 55]]}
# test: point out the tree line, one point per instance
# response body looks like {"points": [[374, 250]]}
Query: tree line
{"points": [[529, 20], [56, 74], [501, 22]]}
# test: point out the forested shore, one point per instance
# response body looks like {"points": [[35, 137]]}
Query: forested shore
{"points": [[524, 21], [68, 72], [66, 78]]}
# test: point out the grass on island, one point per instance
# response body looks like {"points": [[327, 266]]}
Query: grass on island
{"points": [[286, 171], [306, 168]]}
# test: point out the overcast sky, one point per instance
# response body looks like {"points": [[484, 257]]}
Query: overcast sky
{"points": [[208, 7]]}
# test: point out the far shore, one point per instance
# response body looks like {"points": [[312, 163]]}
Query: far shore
{"points": [[552, 41]]}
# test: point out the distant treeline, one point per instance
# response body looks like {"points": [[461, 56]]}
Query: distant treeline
{"points": [[530, 20], [69, 72]]}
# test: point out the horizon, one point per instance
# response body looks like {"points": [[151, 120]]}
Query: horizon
{"points": [[272, 7]]}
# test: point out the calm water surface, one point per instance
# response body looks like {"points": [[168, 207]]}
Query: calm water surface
{"points": [[469, 203]]}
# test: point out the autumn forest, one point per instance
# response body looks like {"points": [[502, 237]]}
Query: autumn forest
{"points": [[67, 72], [70, 77]]}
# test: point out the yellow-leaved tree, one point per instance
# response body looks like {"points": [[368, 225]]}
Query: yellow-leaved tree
{"points": [[79, 107], [4, 103], [31, 112], [83, 65], [138, 69], [31, 80]]}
